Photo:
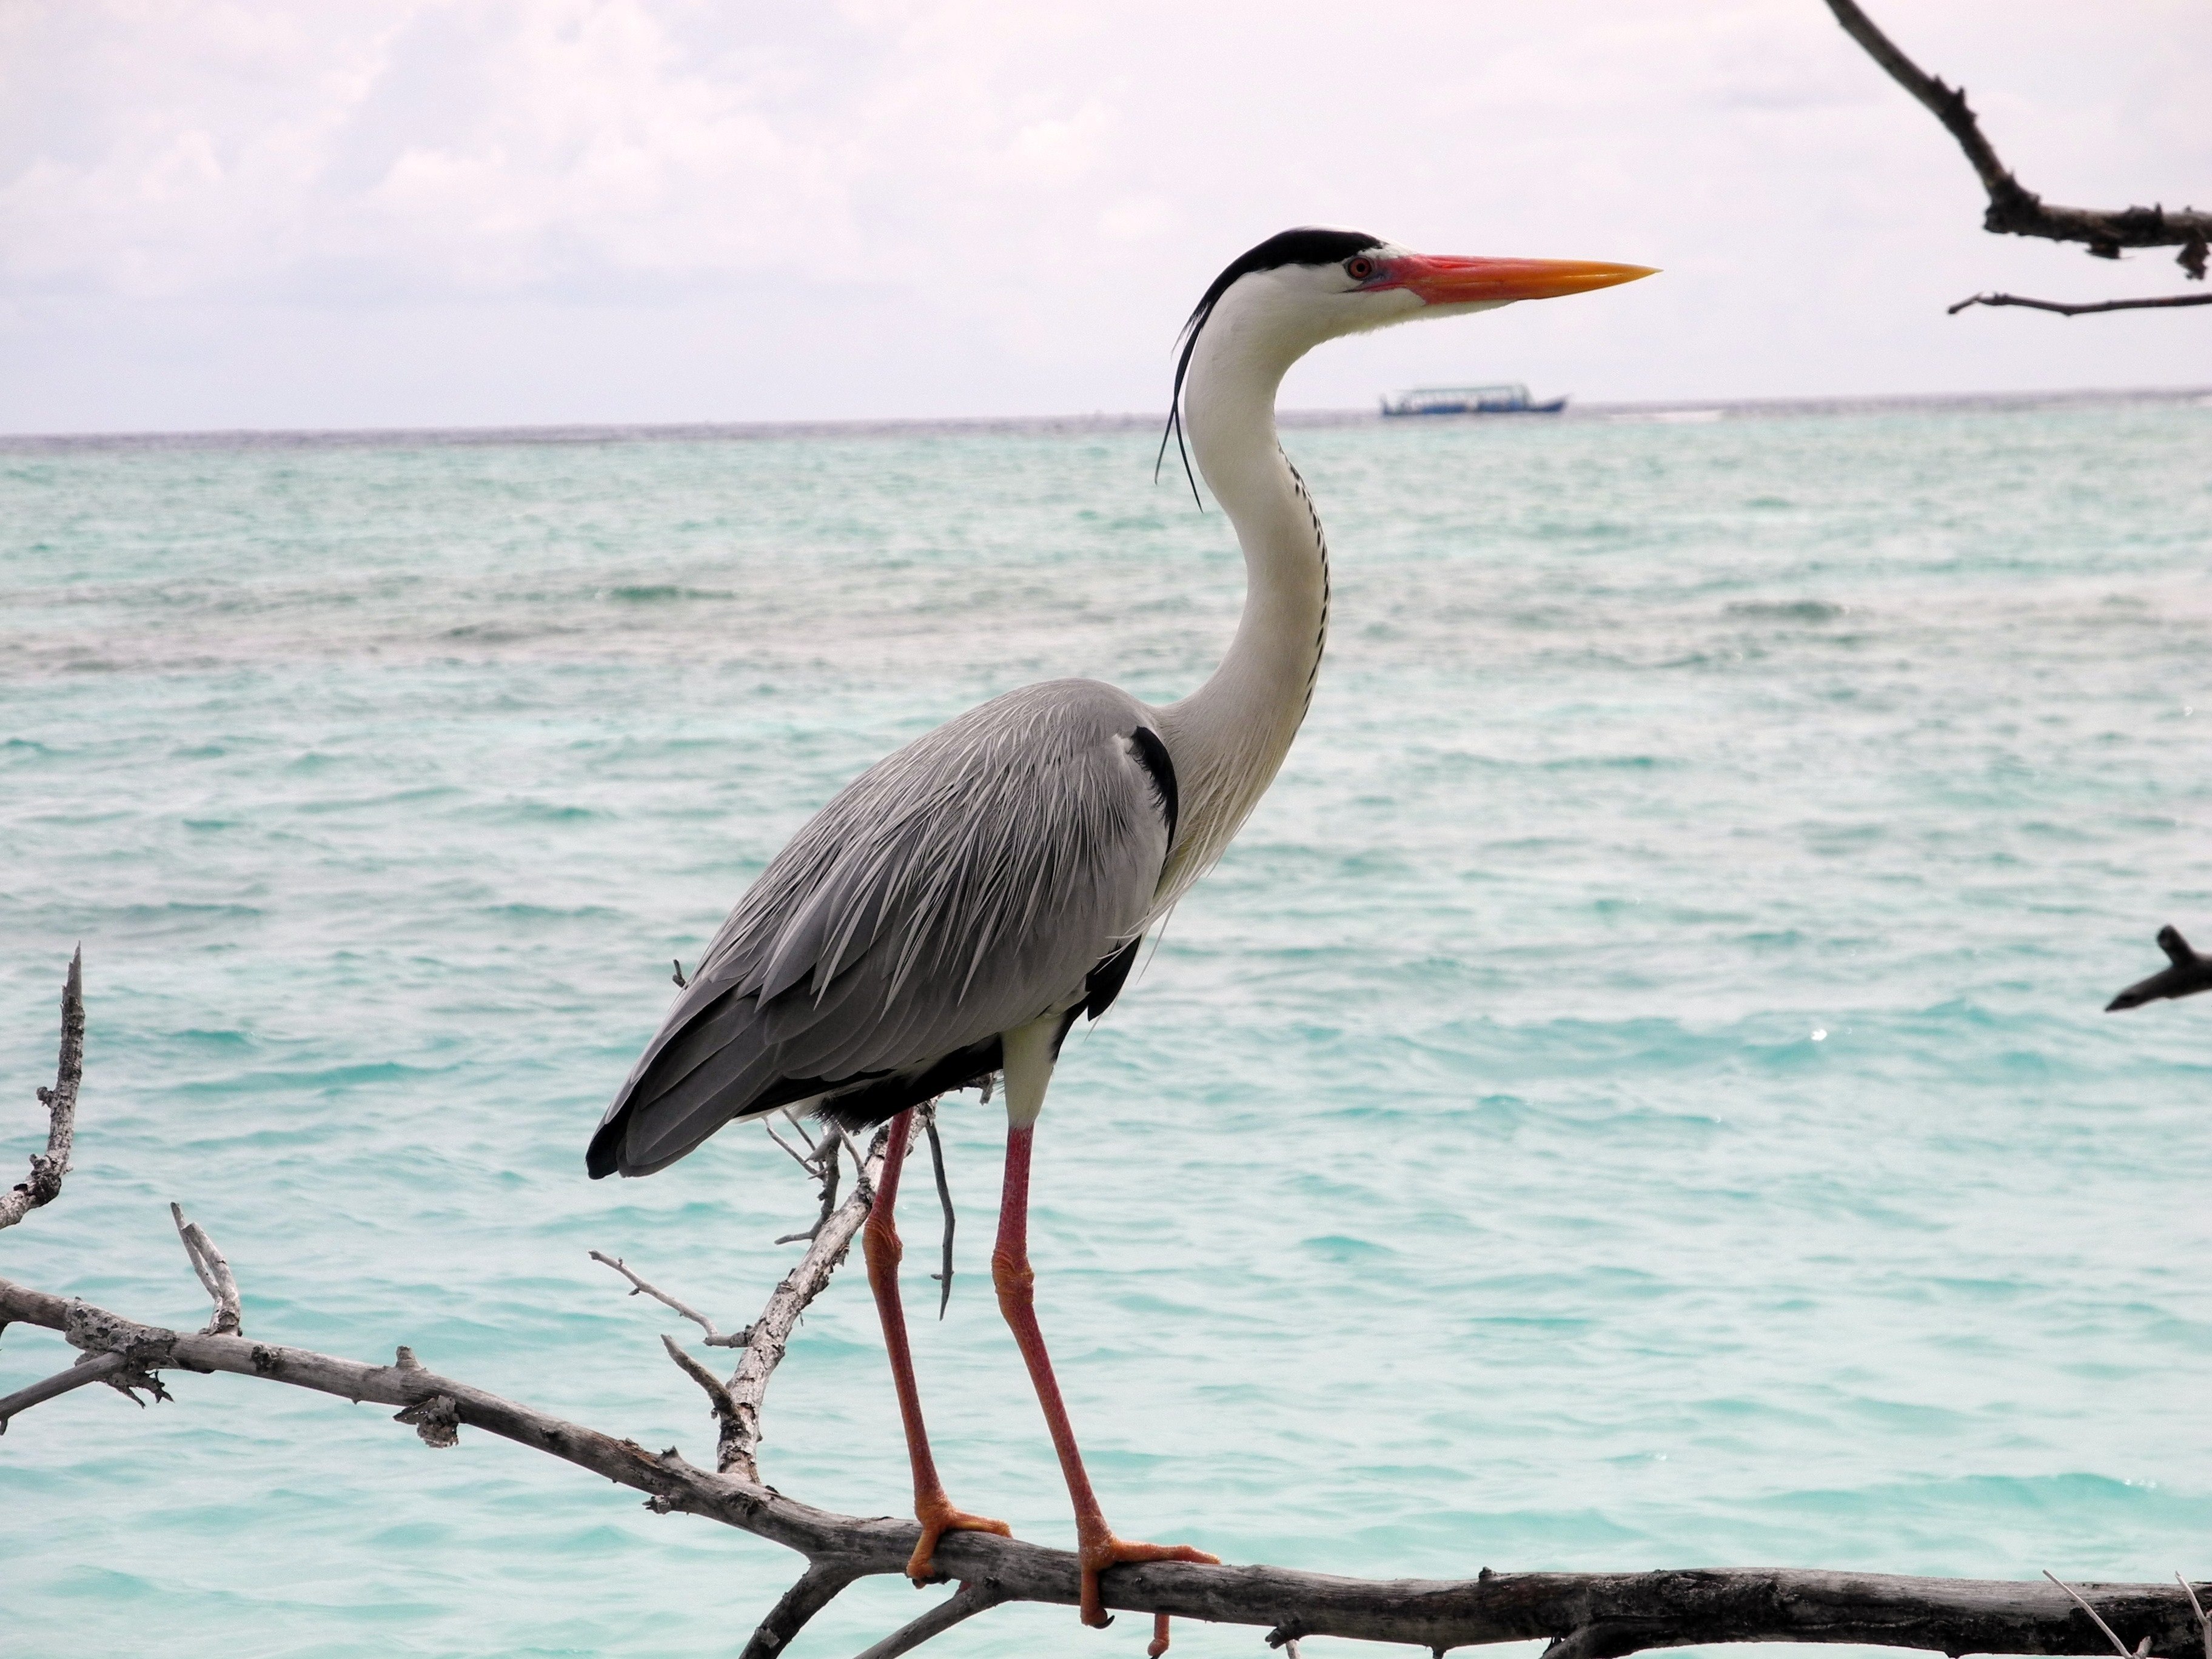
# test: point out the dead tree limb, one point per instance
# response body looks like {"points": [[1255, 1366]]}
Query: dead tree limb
{"points": [[643, 1287], [738, 1451], [90, 1368], [818, 1587], [1600, 1615], [974, 1595], [2068, 308], [47, 1168], [2016, 210], [2187, 972], [719, 1399], [1603, 1615], [214, 1274], [2203, 1619], [1587, 1615]]}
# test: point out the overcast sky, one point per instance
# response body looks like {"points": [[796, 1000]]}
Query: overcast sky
{"points": [[451, 212]]}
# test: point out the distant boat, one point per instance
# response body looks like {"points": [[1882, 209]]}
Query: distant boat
{"points": [[1511, 400]]}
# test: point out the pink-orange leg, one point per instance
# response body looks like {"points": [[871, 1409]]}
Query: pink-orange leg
{"points": [[1096, 1545], [879, 1242]]}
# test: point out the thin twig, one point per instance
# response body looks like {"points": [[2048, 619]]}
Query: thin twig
{"points": [[215, 1276], [2203, 1622], [823, 1165], [853, 1148], [718, 1392], [2118, 1646], [974, 1595], [715, 1338], [2067, 308], [803, 1160], [47, 1168], [944, 1198]]}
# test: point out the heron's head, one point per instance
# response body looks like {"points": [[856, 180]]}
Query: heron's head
{"points": [[1302, 287], [1278, 301]]}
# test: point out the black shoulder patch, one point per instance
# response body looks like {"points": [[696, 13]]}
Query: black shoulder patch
{"points": [[1153, 752], [1106, 981]]}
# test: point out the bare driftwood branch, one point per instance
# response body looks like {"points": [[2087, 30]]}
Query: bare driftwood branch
{"points": [[2203, 1619], [2187, 973], [1608, 1614], [1587, 1615], [738, 1451], [2015, 209], [737, 1405], [974, 1595], [2068, 308], [214, 1275], [818, 1587], [2118, 1646], [90, 1368], [47, 1168], [718, 1394], [642, 1287]]}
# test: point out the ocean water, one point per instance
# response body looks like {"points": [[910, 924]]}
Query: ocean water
{"points": [[1637, 1094]]}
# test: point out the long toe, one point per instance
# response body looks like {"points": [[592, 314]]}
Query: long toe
{"points": [[1112, 1551], [937, 1520]]}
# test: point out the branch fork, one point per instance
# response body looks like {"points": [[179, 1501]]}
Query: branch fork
{"points": [[2016, 210], [1587, 1615]]}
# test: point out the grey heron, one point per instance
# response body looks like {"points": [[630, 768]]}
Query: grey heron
{"points": [[953, 911]]}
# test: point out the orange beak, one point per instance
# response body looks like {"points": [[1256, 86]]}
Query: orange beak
{"points": [[1444, 281]]}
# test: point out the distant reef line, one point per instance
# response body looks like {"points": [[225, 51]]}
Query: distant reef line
{"points": [[1074, 425]]}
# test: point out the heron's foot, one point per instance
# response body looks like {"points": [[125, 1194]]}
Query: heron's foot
{"points": [[1103, 1550], [937, 1518]]}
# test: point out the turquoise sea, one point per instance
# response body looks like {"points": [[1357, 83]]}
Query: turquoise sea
{"points": [[1637, 1095]]}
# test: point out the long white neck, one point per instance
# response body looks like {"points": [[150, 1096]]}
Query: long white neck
{"points": [[1228, 737]]}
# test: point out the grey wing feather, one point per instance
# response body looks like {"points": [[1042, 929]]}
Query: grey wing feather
{"points": [[961, 887]]}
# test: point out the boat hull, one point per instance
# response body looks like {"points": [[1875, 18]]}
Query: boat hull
{"points": [[1550, 407]]}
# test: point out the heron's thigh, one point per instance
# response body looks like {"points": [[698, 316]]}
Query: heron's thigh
{"points": [[1028, 1060]]}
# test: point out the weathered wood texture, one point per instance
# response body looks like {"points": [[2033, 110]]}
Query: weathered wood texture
{"points": [[1588, 1615], [2015, 209], [737, 1452], [1600, 1615], [213, 1270], [818, 1587], [47, 1168]]}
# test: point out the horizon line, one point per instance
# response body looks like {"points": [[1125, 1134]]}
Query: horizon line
{"points": [[1099, 420]]}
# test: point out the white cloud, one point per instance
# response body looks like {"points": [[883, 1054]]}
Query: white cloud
{"points": [[547, 210]]}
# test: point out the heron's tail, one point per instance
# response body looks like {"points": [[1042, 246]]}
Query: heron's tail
{"points": [[711, 1068]]}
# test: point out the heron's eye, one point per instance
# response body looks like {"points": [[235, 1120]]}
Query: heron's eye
{"points": [[1359, 267]]}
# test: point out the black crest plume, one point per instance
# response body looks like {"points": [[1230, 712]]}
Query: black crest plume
{"points": [[1308, 245]]}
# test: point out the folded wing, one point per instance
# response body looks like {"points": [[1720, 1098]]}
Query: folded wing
{"points": [[964, 885]]}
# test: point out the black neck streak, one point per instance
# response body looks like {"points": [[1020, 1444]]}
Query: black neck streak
{"points": [[1321, 551]]}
